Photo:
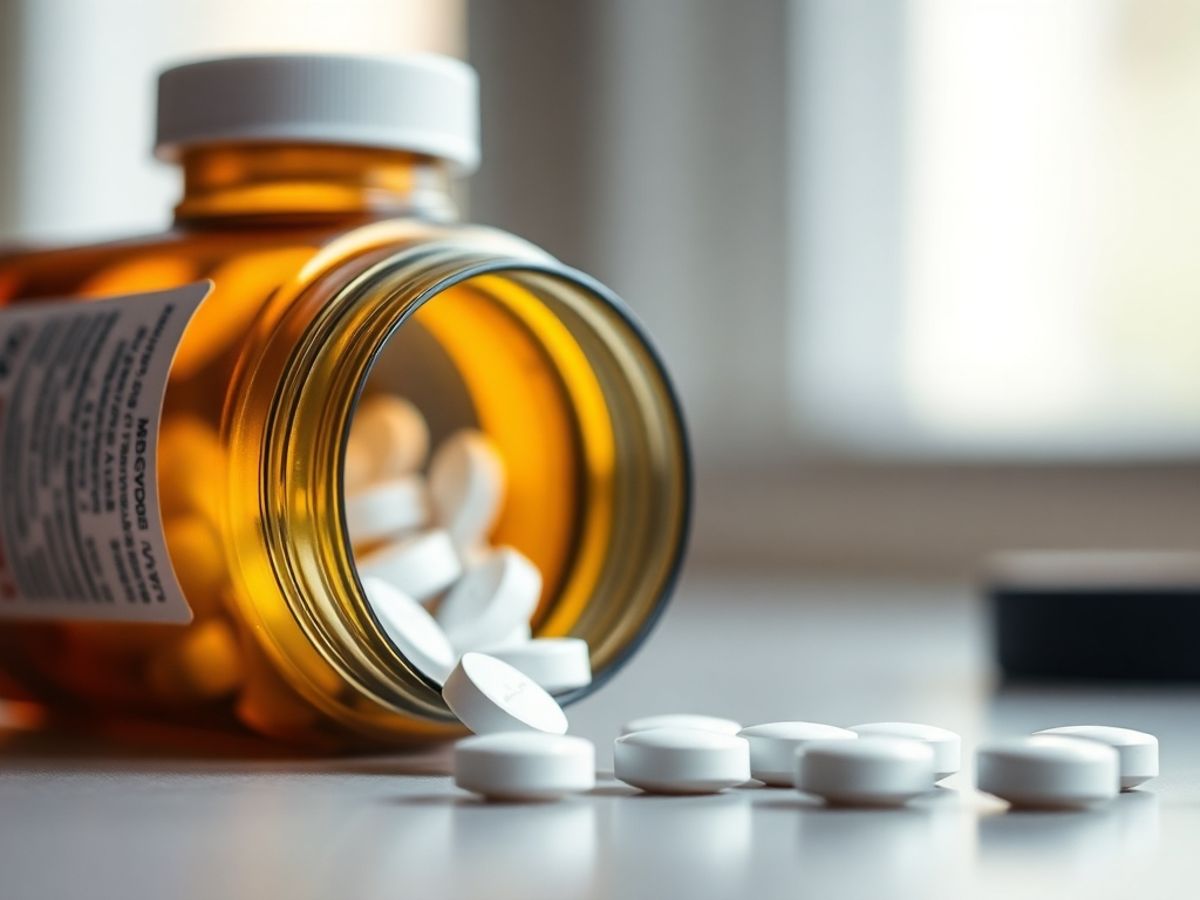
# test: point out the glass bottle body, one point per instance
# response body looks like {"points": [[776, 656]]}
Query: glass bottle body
{"points": [[335, 272]]}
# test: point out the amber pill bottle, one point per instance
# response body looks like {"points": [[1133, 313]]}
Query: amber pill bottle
{"points": [[177, 408]]}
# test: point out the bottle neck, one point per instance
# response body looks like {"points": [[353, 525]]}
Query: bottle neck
{"points": [[288, 181]]}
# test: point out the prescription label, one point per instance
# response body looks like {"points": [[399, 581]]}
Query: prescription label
{"points": [[81, 395]]}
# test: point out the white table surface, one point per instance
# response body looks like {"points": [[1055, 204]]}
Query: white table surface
{"points": [[82, 820]]}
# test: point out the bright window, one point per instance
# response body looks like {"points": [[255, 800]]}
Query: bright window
{"points": [[1021, 276]]}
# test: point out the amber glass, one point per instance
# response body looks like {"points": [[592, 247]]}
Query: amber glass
{"points": [[338, 272]]}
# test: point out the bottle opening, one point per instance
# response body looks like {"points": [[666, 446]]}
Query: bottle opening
{"points": [[512, 470]]}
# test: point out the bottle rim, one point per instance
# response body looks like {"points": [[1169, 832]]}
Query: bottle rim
{"points": [[339, 630]]}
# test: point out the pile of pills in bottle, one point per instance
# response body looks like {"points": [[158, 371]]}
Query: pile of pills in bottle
{"points": [[420, 536], [521, 751]]}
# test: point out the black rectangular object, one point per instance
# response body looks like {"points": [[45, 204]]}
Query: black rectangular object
{"points": [[1090, 615], [1122, 634]]}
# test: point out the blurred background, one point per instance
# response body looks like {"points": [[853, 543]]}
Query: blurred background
{"points": [[924, 270]]}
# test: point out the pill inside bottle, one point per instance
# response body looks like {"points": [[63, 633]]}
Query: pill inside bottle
{"points": [[461, 472]]}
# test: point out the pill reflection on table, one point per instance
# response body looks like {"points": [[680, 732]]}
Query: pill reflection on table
{"points": [[497, 840]]}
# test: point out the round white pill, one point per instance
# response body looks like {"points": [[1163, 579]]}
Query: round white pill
{"points": [[387, 510], [494, 596], [388, 437], [420, 565], [466, 485], [681, 760], [525, 765], [412, 629], [1048, 771], [876, 771], [682, 720], [490, 696], [1137, 752], [557, 664], [773, 747], [947, 746]]}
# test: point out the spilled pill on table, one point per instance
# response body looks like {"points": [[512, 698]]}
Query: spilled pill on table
{"points": [[525, 765], [682, 720], [946, 745], [1137, 752], [773, 747], [681, 761], [873, 771], [1048, 771]]}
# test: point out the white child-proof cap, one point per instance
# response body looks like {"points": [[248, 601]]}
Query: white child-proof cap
{"points": [[421, 103]]}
